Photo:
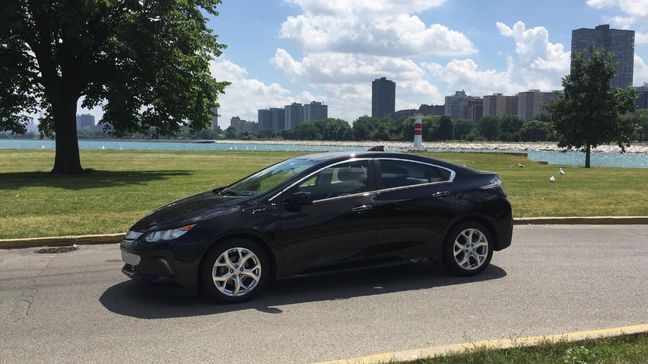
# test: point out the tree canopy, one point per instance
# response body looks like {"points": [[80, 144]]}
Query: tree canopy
{"points": [[588, 112], [146, 63]]}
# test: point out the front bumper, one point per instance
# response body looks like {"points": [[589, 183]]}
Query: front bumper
{"points": [[159, 266]]}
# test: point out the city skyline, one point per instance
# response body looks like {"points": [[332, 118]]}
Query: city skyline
{"points": [[430, 49]]}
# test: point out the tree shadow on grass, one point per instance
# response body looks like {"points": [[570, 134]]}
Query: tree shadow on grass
{"points": [[92, 179], [135, 299]]}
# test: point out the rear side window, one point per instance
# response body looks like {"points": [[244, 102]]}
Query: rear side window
{"points": [[396, 173], [339, 180]]}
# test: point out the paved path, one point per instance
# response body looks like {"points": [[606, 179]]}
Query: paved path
{"points": [[78, 307]]}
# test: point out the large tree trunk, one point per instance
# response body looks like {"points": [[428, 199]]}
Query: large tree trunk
{"points": [[67, 159], [587, 156]]}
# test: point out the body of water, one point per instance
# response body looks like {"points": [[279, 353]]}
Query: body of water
{"points": [[622, 160]]}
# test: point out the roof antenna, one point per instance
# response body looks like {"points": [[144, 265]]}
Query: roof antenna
{"points": [[377, 148]]}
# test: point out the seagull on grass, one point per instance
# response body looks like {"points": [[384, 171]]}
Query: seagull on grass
{"points": [[562, 172], [552, 179]]}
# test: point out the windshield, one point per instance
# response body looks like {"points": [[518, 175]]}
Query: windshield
{"points": [[269, 178]]}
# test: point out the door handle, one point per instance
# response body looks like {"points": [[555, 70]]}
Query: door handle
{"points": [[361, 208], [441, 194]]}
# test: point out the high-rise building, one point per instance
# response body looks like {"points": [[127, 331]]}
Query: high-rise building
{"points": [[278, 117], [619, 43], [243, 125], [475, 109], [500, 105], [532, 103], [455, 105], [85, 122], [383, 97], [294, 114], [642, 100], [214, 120], [315, 111], [431, 109], [265, 119]]}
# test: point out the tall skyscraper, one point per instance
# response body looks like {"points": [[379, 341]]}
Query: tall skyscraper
{"points": [[265, 119], [85, 122], [500, 105], [278, 117], [383, 97], [214, 120], [532, 103], [642, 100], [618, 43], [294, 115], [315, 111]]}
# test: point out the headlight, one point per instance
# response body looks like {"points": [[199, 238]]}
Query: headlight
{"points": [[171, 234]]}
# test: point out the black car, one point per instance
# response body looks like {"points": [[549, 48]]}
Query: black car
{"points": [[321, 213]]}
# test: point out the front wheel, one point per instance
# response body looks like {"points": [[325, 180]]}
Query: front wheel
{"points": [[468, 249], [234, 271]]}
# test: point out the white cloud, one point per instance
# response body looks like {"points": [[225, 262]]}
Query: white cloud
{"points": [[340, 7], [634, 8], [466, 75], [345, 79], [640, 71], [245, 95], [541, 63], [641, 38], [378, 27]]}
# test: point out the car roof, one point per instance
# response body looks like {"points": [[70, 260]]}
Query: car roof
{"points": [[339, 156]]}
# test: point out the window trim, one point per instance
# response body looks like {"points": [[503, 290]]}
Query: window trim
{"points": [[379, 175], [323, 168]]}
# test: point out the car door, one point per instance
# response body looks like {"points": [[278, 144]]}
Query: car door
{"points": [[336, 228], [412, 206]]}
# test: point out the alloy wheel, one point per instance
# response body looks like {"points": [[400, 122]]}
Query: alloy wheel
{"points": [[236, 272], [470, 249]]}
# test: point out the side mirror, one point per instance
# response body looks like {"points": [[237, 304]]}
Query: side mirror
{"points": [[298, 199]]}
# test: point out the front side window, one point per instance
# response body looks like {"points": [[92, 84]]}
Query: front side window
{"points": [[339, 180], [395, 173], [269, 178]]}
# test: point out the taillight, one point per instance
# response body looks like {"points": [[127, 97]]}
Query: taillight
{"points": [[495, 185]]}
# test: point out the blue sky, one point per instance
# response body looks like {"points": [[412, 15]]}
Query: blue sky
{"points": [[280, 51]]}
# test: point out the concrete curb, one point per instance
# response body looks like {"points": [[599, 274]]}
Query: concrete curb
{"points": [[116, 238], [582, 220], [411, 355], [61, 241]]}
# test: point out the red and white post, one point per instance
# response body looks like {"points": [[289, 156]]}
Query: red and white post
{"points": [[418, 132]]}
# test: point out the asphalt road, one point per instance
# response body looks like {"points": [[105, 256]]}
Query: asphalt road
{"points": [[79, 307]]}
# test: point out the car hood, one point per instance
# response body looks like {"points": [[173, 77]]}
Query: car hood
{"points": [[189, 210]]}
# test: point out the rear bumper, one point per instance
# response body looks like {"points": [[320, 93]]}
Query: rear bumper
{"points": [[504, 229]]}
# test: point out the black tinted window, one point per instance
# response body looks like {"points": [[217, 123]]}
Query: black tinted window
{"points": [[396, 173], [342, 179]]}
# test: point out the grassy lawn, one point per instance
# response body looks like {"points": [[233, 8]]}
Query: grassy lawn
{"points": [[126, 185], [622, 349]]}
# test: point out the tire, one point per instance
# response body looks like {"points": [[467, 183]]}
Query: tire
{"points": [[463, 258], [224, 280]]}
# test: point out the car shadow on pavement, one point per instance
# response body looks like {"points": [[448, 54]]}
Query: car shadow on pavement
{"points": [[145, 301]]}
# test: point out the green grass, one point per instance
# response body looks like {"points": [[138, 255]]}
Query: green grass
{"points": [[622, 349], [126, 185]]}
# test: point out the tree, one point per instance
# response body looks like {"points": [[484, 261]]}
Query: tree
{"points": [[509, 128], [587, 113], [488, 127], [365, 128], [535, 131], [445, 129], [463, 128], [145, 62], [640, 118], [336, 129]]}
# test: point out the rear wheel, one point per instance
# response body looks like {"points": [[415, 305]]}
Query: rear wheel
{"points": [[234, 271], [468, 249]]}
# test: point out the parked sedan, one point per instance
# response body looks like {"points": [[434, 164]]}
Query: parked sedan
{"points": [[321, 213]]}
